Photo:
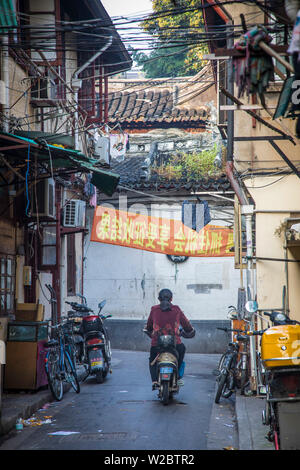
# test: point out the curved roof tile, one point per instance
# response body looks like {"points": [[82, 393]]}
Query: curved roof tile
{"points": [[156, 105]]}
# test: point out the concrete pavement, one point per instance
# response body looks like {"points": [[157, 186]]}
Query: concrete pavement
{"points": [[251, 432], [23, 404]]}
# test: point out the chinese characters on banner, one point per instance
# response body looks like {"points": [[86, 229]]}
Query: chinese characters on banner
{"points": [[160, 235]]}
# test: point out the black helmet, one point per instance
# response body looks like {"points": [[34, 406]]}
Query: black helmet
{"points": [[165, 294]]}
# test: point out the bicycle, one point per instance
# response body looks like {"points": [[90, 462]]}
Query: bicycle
{"points": [[59, 364], [69, 339], [232, 366]]}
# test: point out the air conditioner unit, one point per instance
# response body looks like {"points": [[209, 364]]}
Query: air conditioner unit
{"points": [[102, 150], [74, 213], [43, 199]]}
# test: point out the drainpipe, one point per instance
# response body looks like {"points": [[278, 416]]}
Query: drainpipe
{"points": [[247, 211], [56, 281], [76, 82]]}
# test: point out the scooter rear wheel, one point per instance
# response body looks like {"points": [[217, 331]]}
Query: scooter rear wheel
{"points": [[165, 393], [99, 377]]}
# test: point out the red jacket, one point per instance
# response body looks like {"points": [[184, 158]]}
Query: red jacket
{"points": [[168, 321]]}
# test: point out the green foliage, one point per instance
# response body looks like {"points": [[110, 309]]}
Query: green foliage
{"points": [[169, 25], [162, 62], [190, 165]]}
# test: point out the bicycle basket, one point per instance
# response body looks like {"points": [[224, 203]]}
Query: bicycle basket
{"points": [[166, 341]]}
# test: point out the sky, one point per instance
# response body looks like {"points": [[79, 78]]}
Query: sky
{"points": [[127, 8]]}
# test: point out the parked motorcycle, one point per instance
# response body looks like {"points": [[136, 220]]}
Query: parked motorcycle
{"points": [[75, 319], [96, 350], [280, 355]]}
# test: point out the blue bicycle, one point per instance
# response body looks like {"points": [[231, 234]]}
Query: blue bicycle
{"points": [[59, 363]]}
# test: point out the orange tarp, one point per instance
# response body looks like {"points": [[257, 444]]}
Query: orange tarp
{"points": [[160, 235]]}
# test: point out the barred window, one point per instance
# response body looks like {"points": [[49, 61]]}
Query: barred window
{"points": [[7, 283]]}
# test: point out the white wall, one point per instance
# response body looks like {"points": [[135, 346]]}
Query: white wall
{"points": [[130, 279]]}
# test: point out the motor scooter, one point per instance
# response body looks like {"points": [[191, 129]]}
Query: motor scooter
{"points": [[75, 319], [97, 350], [280, 355], [167, 366], [92, 339], [166, 363]]}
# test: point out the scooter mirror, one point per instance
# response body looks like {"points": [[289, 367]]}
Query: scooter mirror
{"points": [[101, 305], [251, 306], [232, 316]]}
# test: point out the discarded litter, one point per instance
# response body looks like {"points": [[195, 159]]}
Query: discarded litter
{"points": [[37, 421], [229, 425], [63, 433], [46, 406], [19, 424]]}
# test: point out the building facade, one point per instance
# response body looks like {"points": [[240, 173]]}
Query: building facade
{"points": [[261, 120], [49, 171]]}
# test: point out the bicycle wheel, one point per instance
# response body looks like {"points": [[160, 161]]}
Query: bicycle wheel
{"points": [[229, 385], [70, 372], [72, 352], [221, 362], [221, 384], [54, 374]]}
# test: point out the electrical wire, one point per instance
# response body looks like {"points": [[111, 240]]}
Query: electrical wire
{"points": [[190, 37]]}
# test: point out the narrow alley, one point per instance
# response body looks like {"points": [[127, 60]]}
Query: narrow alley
{"points": [[124, 413]]}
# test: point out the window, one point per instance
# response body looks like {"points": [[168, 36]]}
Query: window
{"points": [[48, 246], [7, 283]]}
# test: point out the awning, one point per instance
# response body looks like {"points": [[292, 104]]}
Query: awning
{"points": [[105, 181], [7, 16], [16, 148]]}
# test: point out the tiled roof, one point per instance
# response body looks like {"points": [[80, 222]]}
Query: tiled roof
{"points": [[153, 107], [135, 174]]}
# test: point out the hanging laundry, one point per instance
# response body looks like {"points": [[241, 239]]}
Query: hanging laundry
{"points": [[195, 215], [93, 200], [294, 47], [102, 149], [294, 50], [291, 8], [118, 143], [89, 190], [253, 72], [88, 186]]}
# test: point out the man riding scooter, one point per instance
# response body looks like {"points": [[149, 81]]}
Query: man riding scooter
{"points": [[167, 319]]}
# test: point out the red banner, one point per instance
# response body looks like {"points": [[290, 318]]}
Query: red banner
{"points": [[159, 235]]}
